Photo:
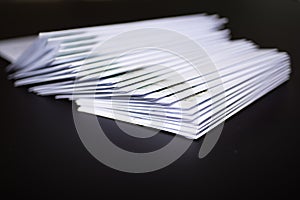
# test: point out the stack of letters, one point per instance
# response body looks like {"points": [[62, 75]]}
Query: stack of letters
{"points": [[180, 74]]}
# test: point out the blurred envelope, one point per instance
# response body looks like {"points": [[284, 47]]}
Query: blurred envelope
{"points": [[11, 49]]}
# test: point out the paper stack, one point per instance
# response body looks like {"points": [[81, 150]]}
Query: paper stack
{"points": [[181, 74]]}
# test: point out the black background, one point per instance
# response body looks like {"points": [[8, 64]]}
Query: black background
{"points": [[256, 156]]}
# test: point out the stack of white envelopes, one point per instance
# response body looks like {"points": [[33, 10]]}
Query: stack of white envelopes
{"points": [[180, 74]]}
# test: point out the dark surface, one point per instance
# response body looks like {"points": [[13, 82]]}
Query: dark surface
{"points": [[256, 156]]}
